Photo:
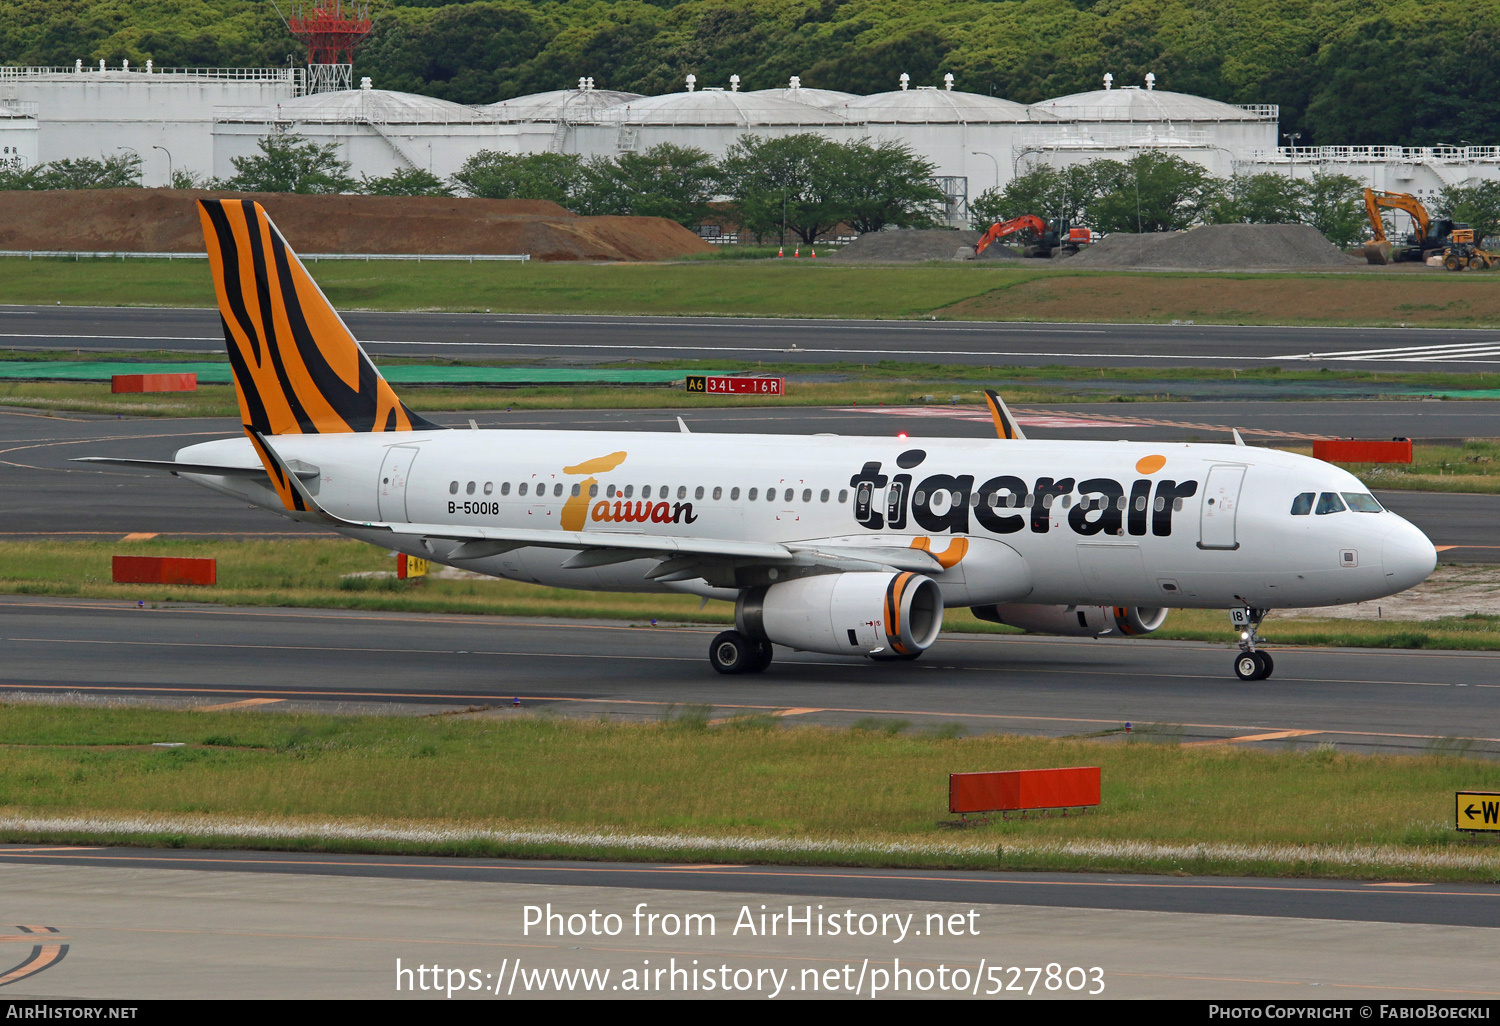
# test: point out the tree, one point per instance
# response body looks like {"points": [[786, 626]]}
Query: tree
{"points": [[1151, 192], [543, 176], [1044, 191], [115, 171], [290, 163], [885, 184], [789, 182], [1335, 205], [1267, 198], [405, 181], [675, 182], [1478, 205]]}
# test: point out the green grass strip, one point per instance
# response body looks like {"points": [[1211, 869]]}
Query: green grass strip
{"points": [[511, 784]]}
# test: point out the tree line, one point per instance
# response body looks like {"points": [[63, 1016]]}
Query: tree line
{"points": [[798, 185], [1344, 72], [1161, 192]]}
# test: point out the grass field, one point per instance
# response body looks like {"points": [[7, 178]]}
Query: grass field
{"points": [[804, 288], [312, 573], [504, 784]]}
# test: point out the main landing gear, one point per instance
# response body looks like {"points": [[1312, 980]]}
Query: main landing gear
{"points": [[733, 652], [1250, 664]]}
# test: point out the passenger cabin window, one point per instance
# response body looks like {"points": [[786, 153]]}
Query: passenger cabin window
{"points": [[1302, 504], [521, 488], [646, 492], [1362, 502], [630, 490], [557, 490], [824, 496], [752, 493], [843, 496], [734, 495], [504, 487], [718, 492], [1329, 502], [453, 488], [576, 489], [469, 490], [698, 492], [489, 488]]}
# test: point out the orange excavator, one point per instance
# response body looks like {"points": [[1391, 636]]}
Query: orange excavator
{"points": [[1451, 240], [1059, 236]]}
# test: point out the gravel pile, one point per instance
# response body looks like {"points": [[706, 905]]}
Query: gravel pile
{"points": [[917, 245], [1260, 246]]}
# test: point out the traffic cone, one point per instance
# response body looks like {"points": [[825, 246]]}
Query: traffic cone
{"points": [[780, 252], [814, 253], [797, 252]]}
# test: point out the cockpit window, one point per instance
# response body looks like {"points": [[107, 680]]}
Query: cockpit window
{"points": [[1329, 502], [1302, 504], [1362, 502]]}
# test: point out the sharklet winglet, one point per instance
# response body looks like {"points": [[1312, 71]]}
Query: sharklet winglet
{"points": [[1005, 424]]}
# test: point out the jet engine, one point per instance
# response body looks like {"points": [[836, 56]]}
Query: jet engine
{"points": [[881, 614], [1075, 621]]}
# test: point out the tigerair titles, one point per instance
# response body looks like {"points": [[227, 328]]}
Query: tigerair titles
{"points": [[1006, 504]]}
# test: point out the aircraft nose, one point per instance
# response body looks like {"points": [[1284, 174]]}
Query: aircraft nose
{"points": [[1407, 556]]}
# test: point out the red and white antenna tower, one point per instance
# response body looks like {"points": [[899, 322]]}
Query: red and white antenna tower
{"points": [[331, 29]]}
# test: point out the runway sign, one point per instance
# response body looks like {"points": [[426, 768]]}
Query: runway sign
{"points": [[1014, 790], [1355, 450], [722, 384], [1477, 811], [153, 383], [163, 570]]}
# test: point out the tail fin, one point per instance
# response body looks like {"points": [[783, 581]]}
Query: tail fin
{"points": [[297, 368]]}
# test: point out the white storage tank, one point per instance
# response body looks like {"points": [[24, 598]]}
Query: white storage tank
{"points": [[163, 114], [1118, 122], [377, 130], [711, 119], [18, 135]]}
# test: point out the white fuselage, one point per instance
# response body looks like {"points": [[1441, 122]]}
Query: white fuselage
{"points": [[1112, 523]]}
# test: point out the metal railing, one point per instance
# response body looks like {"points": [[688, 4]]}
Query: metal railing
{"points": [[234, 74], [1409, 154], [368, 114], [1268, 111]]}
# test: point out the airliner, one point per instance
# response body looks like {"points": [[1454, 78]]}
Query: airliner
{"points": [[852, 546]]}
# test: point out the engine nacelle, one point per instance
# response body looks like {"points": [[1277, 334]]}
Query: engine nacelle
{"points": [[1075, 621], [846, 614]]}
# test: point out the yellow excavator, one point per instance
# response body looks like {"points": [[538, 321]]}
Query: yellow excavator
{"points": [[1453, 241]]}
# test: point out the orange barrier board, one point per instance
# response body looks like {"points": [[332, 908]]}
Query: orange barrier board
{"points": [[1359, 450], [1014, 790], [154, 383], [164, 570]]}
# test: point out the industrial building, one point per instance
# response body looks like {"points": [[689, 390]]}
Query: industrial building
{"points": [[199, 119]]}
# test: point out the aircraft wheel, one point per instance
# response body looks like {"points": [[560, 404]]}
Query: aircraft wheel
{"points": [[1267, 664], [732, 652], [1247, 666], [762, 657]]}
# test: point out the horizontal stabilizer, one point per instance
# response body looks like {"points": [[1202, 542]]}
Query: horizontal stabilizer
{"points": [[174, 467]]}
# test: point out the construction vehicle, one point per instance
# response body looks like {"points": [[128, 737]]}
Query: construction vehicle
{"points": [[1049, 239], [1453, 241]]}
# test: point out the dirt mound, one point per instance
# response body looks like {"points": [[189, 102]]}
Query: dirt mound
{"points": [[916, 245], [166, 221], [1260, 246]]}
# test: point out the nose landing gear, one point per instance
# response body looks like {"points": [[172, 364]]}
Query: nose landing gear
{"points": [[1250, 664]]}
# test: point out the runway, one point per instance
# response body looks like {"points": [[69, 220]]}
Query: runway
{"points": [[598, 338], [1181, 692], [183, 924], [46, 496]]}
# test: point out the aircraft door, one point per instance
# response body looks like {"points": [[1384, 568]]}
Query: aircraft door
{"points": [[390, 491], [1221, 501]]}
